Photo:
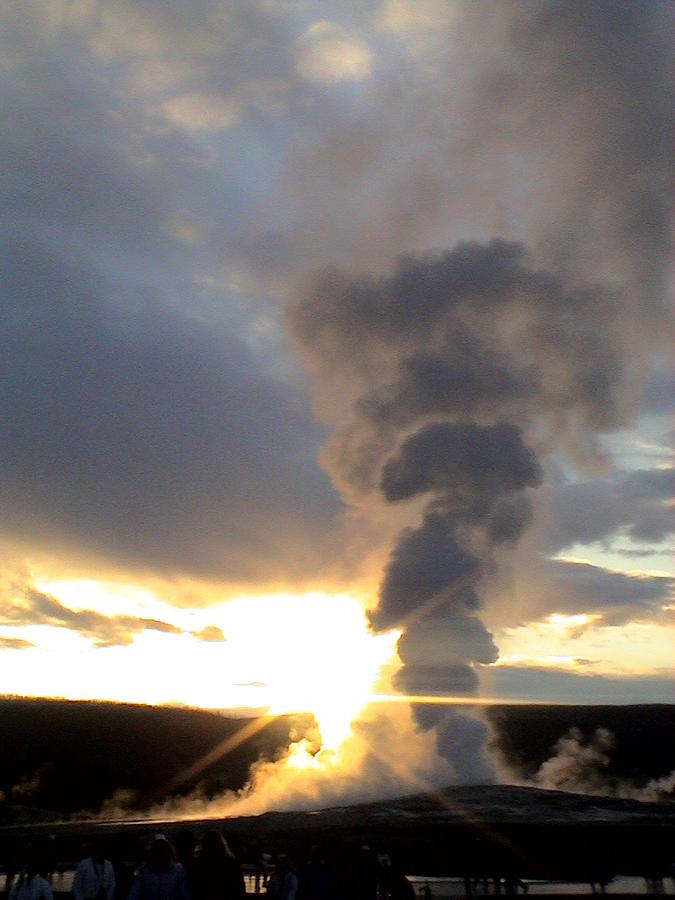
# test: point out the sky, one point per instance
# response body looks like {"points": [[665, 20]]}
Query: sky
{"points": [[335, 354]]}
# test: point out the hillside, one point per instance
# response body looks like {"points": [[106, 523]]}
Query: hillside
{"points": [[70, 756], [65, 758]]}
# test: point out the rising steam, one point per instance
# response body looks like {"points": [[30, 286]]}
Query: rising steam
{"points": [[452, 379], [461, 373]]}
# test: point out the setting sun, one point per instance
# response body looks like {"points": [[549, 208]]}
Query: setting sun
{"points": [[315, 654]]}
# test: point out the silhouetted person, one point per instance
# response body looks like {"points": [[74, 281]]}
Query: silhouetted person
{"points": [[218, 874], [31, 884], [161, 878], [283, 885], [186, 845], [366, 875], [397, 885], [316, 880], [94, 877]]}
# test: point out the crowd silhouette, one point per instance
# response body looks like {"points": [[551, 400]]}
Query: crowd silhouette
{"points": [[205, 868]]}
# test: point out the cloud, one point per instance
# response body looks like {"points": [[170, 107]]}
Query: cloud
{"points": [[148, 440], [328, 53], [636, 504], [410, 17], [535, 588], [209, 633], [201, 112], [93, 211], [659, 392], [11, 643], [545, 684], [150, 428], [618, 597], [32, 607]]}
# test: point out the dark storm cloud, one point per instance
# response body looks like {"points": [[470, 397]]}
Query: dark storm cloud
{"points": [[659, 392], [145, 437], [636, 504], [25, 605], [141, 424], [618, 597], [573, 587]]}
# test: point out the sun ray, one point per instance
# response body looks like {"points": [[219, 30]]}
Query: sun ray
{"points": [[449, 700], [220, 751]]}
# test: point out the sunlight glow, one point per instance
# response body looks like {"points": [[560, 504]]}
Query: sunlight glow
{"points": [[583, 642], [282, 653], [320, 657], [564, 622]]}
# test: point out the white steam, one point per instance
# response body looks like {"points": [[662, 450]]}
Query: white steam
{"points": [[582, 766]]}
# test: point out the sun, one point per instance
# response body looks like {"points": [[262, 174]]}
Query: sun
{"points": [[318, 655]]}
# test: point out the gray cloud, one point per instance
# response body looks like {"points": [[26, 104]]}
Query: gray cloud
{"points": [[635, 504], [426, 562], [148, 438], [434, 385], [428, 640], [659, 392], [142, 424], [25, 605], [520, 322], [556, 685], [118, 220], [536, 588], [474, 329], [618, 597]]}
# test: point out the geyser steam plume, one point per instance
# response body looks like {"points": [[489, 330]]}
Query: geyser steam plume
{"points": [[459, 373], [460, 355]]}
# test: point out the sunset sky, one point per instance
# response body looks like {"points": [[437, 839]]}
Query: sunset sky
{"points": [[330, 328]]}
